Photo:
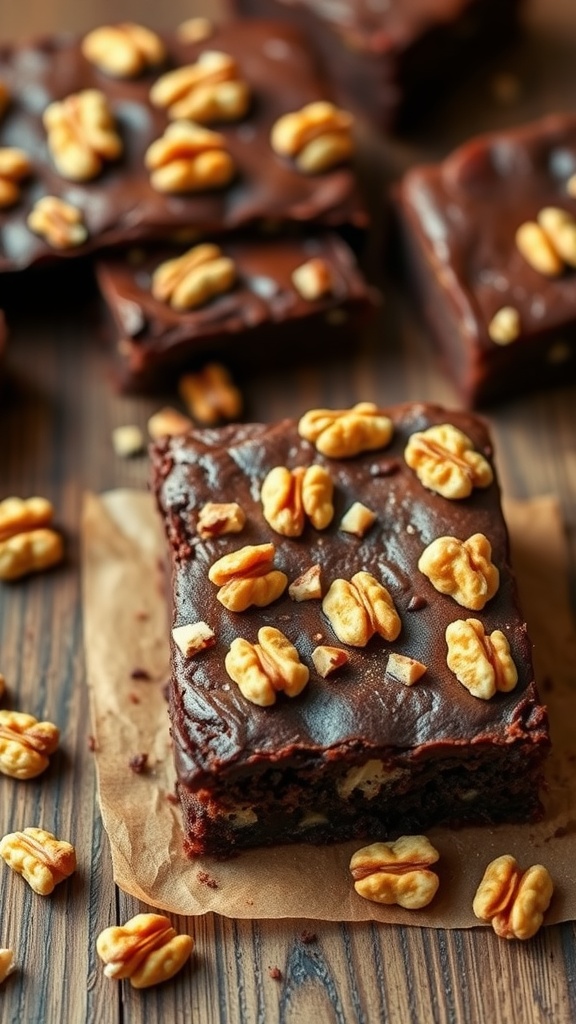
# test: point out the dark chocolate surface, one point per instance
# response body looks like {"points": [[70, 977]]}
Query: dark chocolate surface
{"points": [[214, 727], [462, 216], [120, 205], [153, 335]]}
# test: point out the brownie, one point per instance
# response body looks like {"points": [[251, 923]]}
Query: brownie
{"points": [[502, 324], [355, 753], [260, 316], [389, 62], [119, 204]]}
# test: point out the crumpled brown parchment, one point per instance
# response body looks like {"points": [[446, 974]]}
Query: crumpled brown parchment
{"points": [[126, 640]]}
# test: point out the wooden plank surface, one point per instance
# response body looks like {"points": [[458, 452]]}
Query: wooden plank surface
{"points": [[55, 440]]}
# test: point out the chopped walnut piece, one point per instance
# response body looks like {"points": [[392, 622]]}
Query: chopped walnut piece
{"points": [[404, 670], [504, 326], [207, 91], [7, 965], [193, 279], [360, 608], [168, 422], [445, 461], [247, 577], [18, 515], [396, 872], [560, 229], [329, 659], [146, 950], [189, 158], [261, 670], [462, 569], [218, 518], [211, 395], [514, 901], [14, 167], [41, 858], [318, 137], [481, 662], [81, 134], [33, 551], [193, 638], [307, 586], [25, 744], [124, 50], [343, 433], [59, 223], [195, 30], [549, 244], [313, 279], [357, 520], [128, 441]]}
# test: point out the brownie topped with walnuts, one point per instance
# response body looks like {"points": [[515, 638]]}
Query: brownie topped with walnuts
{"points": [[349, 657]]}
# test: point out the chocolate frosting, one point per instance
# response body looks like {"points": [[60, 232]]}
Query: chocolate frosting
{"points": [[120, 205], [214, 727]]}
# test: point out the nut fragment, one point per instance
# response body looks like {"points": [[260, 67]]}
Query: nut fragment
{"points": [[404, 669], [127, 441], [313, 279], [342, 433], [217, 518], [191, 280], [481, 662], [7, 964], [123, 50], [29, 552], [262, 669], [462, 569], [25, 744], [514, 901], [211, 395], [41, 858], [358, 519], [396, 872], [560, 229], [168, 422], [209, 90], [359, 609], [60, 223], [188, 158], [504, 326], [246, 577], [329, 659], [444, 460], [18, 515], [318, 136], [146, 950], [81, 134], [195, 30], [290, 495], [14, 166], [193, 638], [549, 244], [307, 586]]}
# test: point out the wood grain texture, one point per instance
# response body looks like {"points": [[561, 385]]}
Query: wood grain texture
{"points": [[55, 440]]}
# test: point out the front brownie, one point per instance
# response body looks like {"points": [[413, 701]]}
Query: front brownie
{"points": [[261, 315], [119, 204], [502, 321], [357, 753], [389, 62]]}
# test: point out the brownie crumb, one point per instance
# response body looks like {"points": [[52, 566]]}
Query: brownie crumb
{"points": [[166, 691], [142, 616], [416, 603], [138, 763], [140, 673], [307, 938], [387, 467], [275, 973], [133, 697], [172, 798], [92, 746], [207, 879]]}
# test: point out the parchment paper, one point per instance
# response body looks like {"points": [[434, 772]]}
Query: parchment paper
{"points": [[126, 639]]}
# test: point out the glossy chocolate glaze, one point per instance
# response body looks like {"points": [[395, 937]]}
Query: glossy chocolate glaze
{"points": [[358, 711], [461, 217], [121, 205], [152, 335]]}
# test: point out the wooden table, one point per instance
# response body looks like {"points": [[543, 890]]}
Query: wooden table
{"points": [[55, 440]]}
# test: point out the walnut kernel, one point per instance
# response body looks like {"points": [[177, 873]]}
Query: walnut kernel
{"points": [[189, 158], [59, 223], [195, 30], [146, 950], [358, 609], [191, 280], [445, 461], [481, 662], [504, 326], [207, 91], [396, 872], [514, 901], [168, 422], [247, 577], [343, 433], [124, 50], [29, 552], [261, 670], [211, 395], [14, 167], [218, 518], [313, 279], [18, 515], [318, 137], [7, 965], [81, 134], [41, 858], [462, 569], [25, 744]]}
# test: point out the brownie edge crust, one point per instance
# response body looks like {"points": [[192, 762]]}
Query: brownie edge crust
{"points": [[358, 752]]}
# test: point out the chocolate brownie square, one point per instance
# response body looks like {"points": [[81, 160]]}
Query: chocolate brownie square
{"points": [[349, 655]]}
